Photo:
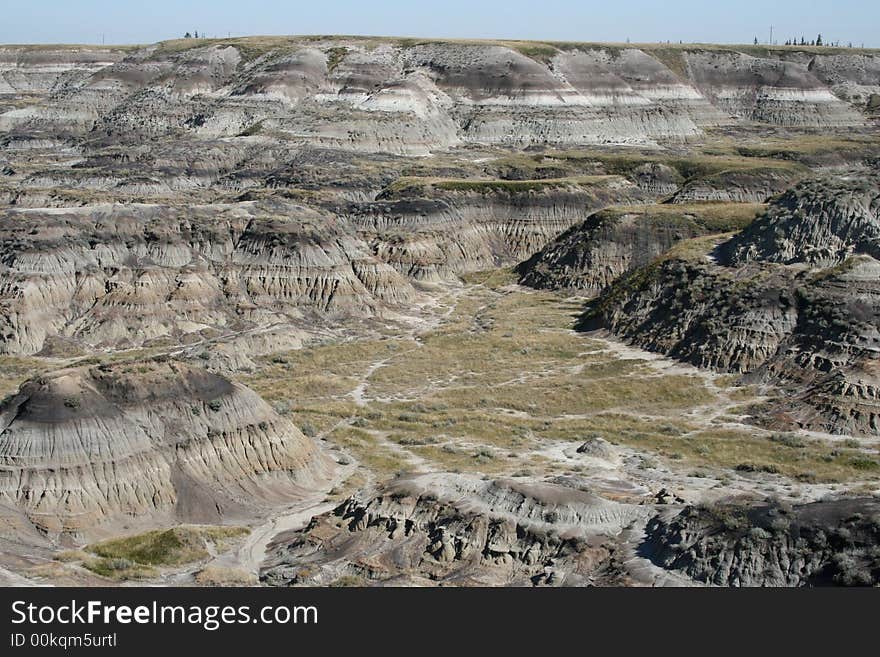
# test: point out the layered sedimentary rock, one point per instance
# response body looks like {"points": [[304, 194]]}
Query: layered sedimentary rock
{"points": [[404, 97], [503, 96], [219, 200], [755, 185], [36, 71], [443, 229], [854, 78], [776, 89], [656, 178], [648, 75], [114, 276], [820, 223], [205, 169], [68, 82], [828, 543], [129, 275], [84, 448], [447, 529], [591, 255], [795, 299]]}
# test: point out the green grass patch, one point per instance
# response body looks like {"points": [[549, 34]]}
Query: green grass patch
{"points": [[412, 186], [170, 547], [713, 217]]}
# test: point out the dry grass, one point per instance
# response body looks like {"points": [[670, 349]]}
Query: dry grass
{"points": [[696, 248], [216, 576], [413, 186], [785, 454], [504, 377], [714, 217], [454, 458], [15, 370], [808, 145], [691, 166], [379, 459]]}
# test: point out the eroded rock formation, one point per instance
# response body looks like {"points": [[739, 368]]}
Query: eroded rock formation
{"points": [[794, 299], [416, 97], [133, 274], [448, 529], [829, 543], [445, 229], [84, 449], [590, 256]]}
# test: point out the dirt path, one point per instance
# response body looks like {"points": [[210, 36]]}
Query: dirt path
{"points": [[251, 554], [442, 312], [624, 471]]}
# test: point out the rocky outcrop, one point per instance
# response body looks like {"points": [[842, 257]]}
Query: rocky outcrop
{"points": [[37, 71], [828, 543], [813, 330], [819, 223], [753, 185], [652, 76], [590, 256], [404, 97], [116, 276], [84, 450], [502, 96], [813, 334], [447, 529], [434, 230], [772, 86], [657, 179], [119, 275]]}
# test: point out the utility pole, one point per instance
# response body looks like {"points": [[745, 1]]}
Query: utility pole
{"points": [[771, 36]]}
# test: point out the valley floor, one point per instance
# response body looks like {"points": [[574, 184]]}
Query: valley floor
{"points": [[501, 385], [242, 343], [491, 380]]}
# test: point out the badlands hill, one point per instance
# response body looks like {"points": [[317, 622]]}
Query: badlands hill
{"points": [[223, 261], [88, 448], [127, 275], [411, 96], [434, 530], [792, 298], [191, 188], [829, 543], [591, 255]]}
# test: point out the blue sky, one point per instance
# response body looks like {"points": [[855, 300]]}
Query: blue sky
{"points": [[737, 21]]}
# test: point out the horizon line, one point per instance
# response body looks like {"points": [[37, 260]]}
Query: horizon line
{"points": [[495, 40]]}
